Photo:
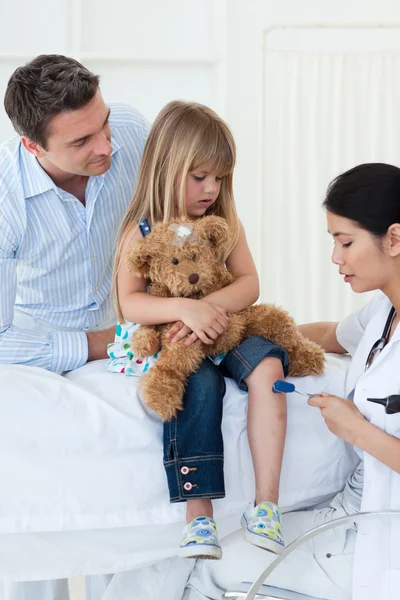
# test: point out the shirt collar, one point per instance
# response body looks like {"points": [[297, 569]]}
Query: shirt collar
{"points": [[35, 180], [384, 314], [115, 145], [377, 324]]}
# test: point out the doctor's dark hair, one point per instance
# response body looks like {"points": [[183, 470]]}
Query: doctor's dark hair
{"points": [[43, 88], [368, 194]]}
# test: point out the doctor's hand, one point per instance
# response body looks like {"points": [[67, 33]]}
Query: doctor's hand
{"points": [[341, 416]]}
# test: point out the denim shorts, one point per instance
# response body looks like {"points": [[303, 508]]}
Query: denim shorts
{"points": [[193, 444]]}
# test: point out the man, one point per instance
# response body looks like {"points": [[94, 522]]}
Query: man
{"points": [[65, 184]]}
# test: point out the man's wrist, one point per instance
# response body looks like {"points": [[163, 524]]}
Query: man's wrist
{"points": [[91, 346], [98, 341], [70, 350]]}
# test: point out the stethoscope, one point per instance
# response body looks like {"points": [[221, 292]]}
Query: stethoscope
{"points": [[392, 402]]}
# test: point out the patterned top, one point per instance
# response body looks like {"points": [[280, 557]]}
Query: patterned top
{"points": [[122, 359]]}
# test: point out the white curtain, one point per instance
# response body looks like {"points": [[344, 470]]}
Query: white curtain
{"points": [[322, 113]]}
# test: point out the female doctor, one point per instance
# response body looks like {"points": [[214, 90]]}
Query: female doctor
{"points": [[361, 562]]}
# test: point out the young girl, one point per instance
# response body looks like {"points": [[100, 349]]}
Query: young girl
{"points": [[186, 170]]}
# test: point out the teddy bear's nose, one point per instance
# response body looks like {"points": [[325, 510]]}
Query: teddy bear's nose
{"points": [[193, 278]]}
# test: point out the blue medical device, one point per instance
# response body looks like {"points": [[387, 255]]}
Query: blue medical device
{"points": [[286, 387]]}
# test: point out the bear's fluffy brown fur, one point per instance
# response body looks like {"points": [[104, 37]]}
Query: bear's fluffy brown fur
{"points": [[183, 259]]}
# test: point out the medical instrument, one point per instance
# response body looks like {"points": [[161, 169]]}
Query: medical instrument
{"points": [[286, 387]]}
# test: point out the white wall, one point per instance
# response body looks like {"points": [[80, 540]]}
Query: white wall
{"points": [[211, 51], [147, 53], [295, 285]]}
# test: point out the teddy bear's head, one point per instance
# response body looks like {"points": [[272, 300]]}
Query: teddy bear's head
{"points": [[183, 258]]}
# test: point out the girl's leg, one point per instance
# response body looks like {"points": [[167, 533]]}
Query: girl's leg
{"points": [[193, 456], [255, 365], [198, 508], [193, 446], [266, 427]]}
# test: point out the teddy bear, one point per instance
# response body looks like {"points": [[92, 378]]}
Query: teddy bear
{"points": [[184, 259]]}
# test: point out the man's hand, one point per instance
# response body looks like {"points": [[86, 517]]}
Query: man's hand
{"points": [[341, 416], [98, 341]]}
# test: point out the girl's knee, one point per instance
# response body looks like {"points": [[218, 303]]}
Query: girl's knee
{"points": [[204, 393], [270, 369]]}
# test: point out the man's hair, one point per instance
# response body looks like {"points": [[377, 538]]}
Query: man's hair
{"points": [[43, 88]]}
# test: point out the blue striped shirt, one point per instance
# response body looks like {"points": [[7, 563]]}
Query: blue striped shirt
{"points": [[56, 255]]}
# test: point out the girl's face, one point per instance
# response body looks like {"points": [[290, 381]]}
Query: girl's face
{"points": [[362, 260], [202, 190]]}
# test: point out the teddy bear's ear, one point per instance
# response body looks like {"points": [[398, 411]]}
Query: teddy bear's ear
{"points": [[215, 230], [138, 259]]}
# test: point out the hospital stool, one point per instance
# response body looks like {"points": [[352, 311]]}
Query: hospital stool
{"points": [[259, 591]]}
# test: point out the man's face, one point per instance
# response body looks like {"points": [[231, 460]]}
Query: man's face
{"points": [[79, 141]]}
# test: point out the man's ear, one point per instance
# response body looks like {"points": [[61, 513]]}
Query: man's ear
{"points": [[33, 147], [394, 239], [215, 231], [138, 259]]}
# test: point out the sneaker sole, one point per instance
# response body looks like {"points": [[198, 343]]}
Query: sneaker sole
{"points": [[202, 551], [260, 541]]}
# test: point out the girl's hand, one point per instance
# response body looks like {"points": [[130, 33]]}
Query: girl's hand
{"points": [[341, 416], [179, 331], [200, 320]]}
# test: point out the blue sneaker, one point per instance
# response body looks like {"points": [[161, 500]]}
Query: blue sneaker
{"points": [[200, 539], [262, 526]]}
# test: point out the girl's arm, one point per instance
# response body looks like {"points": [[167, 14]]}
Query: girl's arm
{"points": [[344, 419], [244, 291], [207, 320], [240, 294], [136, 305], [323, 334]]}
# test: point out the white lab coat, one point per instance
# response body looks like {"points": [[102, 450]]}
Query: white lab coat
{"points": [[377, 555]]}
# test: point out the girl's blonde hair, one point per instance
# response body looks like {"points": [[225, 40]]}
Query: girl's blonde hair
{"points": [[184, 136]]}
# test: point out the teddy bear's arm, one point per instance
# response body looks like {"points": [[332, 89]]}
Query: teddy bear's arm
{"points": [[146, 341]]}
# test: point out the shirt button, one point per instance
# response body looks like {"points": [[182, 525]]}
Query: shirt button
{"points": [[97, 288], [95, 259], [184, 470], [187, 486]]}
